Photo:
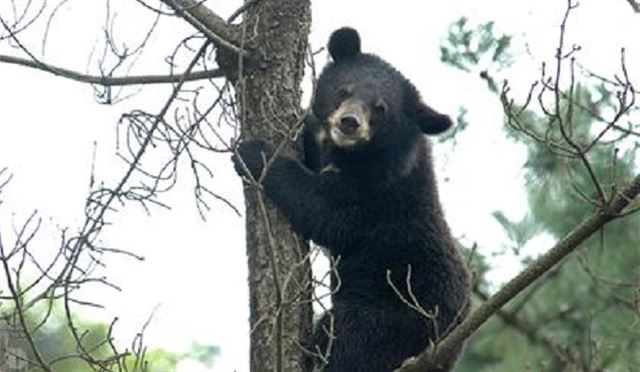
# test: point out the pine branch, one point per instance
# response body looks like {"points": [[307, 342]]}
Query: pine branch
{"points": [[447, 347]]}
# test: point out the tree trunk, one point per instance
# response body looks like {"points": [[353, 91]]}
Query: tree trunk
{"points": [[269, 92]]}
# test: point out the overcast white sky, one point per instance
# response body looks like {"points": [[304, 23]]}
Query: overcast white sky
{"points": [[196, 270]]}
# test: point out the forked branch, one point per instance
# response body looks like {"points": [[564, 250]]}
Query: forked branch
{"points": [[207, 22], [443, 350]]}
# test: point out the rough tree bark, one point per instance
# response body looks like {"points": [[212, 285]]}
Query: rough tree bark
{"points": [[268, 93], [263, 57], [269, 97]]}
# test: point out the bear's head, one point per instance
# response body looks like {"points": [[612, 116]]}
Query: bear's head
{"points": [[364, 102]]}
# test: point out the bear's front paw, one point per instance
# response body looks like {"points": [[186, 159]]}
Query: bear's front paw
{"points": [[254, 154]]}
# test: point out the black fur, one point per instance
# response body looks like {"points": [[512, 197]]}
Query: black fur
{"points": [[344, 43], [377, 210]]}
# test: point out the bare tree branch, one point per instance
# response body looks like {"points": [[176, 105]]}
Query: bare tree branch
{"points": [[531, 332], [207, 22], [17, 294], [96, 220], [634, 5], [443, 350], [111, 81]]}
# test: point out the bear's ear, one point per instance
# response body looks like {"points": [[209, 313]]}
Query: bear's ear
{"points": [[431, 121], [344, 43]]}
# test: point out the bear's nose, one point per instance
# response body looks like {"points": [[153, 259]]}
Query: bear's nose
{"points": [[349, 124]]}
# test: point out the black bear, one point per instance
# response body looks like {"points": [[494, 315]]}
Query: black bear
{"points": [[367, 193]]}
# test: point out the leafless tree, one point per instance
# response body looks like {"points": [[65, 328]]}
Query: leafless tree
{"points": [[246, 71]]}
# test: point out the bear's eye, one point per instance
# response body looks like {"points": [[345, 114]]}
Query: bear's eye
{"points": [[380, 107], [345, 91]]}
